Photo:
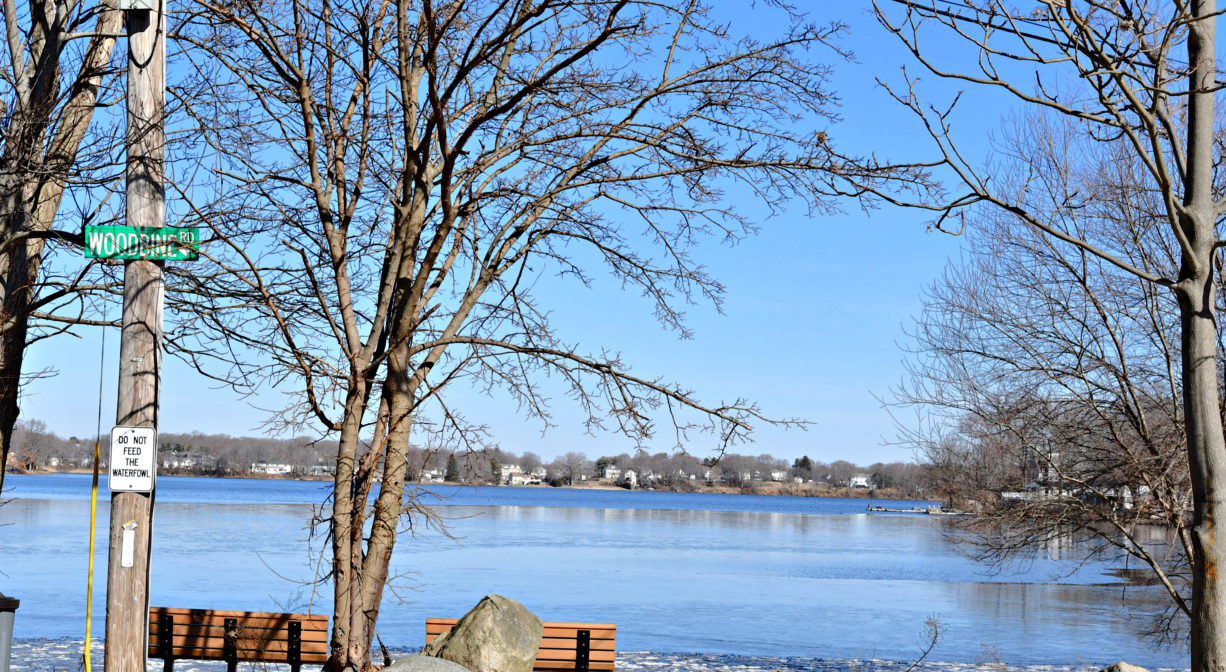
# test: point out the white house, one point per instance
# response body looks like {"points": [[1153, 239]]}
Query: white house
{"points": [[274, 468], [188, 461], [860, 481]]}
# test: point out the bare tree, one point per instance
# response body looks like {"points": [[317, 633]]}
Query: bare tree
{"points": [[1141, 77], [1051, 374], [394, 178], [840, 472], [55, 74], [529, 462], [573, 465]]}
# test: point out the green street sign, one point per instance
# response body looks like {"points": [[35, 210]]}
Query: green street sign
{"points": [[141, 242]]}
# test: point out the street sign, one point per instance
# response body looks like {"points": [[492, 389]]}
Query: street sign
{"points": [[141, 242], [133, 459]]}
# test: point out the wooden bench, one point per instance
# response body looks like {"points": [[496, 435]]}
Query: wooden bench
{"points": [[207, 634], [584, 647]]}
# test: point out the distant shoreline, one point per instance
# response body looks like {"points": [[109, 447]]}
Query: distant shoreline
{"points": [[770, 488]]}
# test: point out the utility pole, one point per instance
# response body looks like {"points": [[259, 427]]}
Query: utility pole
{"points": [[140, 350]]}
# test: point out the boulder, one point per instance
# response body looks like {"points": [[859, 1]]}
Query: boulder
{"points": [[424, 664], [1123, 667], [498, 635]]}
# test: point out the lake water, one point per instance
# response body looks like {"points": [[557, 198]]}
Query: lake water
{"points": [[774, 576]]}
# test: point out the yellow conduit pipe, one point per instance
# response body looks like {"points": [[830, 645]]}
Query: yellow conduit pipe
{"points": [[93, 511], [93, 525]]}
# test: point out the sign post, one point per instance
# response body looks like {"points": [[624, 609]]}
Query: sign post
{"points": [[140, 348]]}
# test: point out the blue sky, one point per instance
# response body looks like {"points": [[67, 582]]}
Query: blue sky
{"points": [[814, 315]]}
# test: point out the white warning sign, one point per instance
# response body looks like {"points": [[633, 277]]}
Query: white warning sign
{"points": [[133, 459]]}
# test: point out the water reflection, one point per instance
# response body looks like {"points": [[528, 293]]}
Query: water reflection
{"points": [[735, 520]]}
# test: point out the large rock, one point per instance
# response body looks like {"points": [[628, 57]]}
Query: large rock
{"points": [[498, 635], [1123, 667], [424, 664]]}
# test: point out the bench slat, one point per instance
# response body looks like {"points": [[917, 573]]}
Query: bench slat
{"points": [[563, 665], [246, 619], [608, 634], [222, 613], [568, 644], [569, 654], [197, 631], [447, 623], [243, 643], [269, 656]]}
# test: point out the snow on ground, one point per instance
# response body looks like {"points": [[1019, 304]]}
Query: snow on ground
{"points": [[62, 655]]}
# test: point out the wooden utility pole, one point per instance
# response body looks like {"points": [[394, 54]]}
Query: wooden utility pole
{"points": [[140, 349]]}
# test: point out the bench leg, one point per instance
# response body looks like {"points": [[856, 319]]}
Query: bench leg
{"points": [[294, 645], [166, 641], [583, 649], [230, 644]]}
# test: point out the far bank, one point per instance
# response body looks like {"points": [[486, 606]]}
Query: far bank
{"points": [[770, 488]]}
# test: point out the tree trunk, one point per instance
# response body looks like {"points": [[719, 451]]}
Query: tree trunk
{"points": [[346, 527], [16, 268], [1196, 293], [388, 507], [14, 322], [1207, 459]]}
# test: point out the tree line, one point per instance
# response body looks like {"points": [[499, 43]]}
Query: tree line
{"points": [[36, 448]]}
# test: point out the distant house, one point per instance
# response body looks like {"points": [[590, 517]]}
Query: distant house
{"points": [[513, 474], [522, 479], [272, 468], [611, 473], [320, 469], [861, 482], [630, 478], [779, 476], [189, 461]]}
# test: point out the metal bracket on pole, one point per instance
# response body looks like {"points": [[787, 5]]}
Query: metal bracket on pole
{"points": [[130, 5]]}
